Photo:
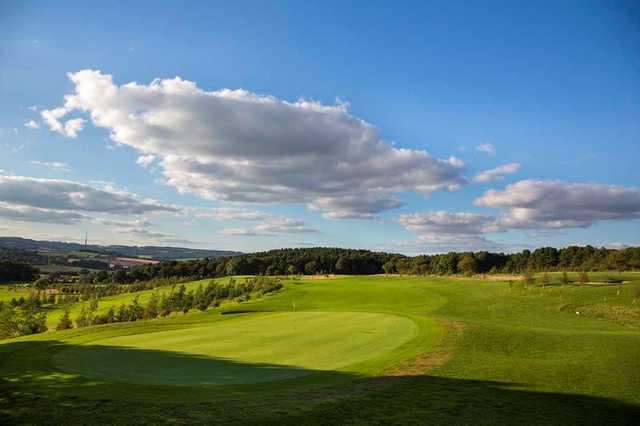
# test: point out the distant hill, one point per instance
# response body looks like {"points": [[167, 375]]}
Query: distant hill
{"points": [[150, 252]]}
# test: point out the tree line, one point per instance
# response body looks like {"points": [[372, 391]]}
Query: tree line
{"points": [[313, 261], [177, 300], [29, 316]]}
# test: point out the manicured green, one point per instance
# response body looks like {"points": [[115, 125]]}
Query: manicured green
{"points": [[376, 349], [292, 343]]}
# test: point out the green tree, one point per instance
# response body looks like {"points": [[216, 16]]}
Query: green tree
{"points": [[389, 267], [34, 321], [83, 318], [65, 322], [468, 264], [311, 268], [136, 311], [41, 283], [343, 265], [9, 323], [152, 310]]}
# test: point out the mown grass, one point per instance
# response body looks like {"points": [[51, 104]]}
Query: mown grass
{"points": [[482, 352], [8, 292]]}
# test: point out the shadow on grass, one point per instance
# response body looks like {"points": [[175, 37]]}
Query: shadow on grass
{"points": [[199, 389]]}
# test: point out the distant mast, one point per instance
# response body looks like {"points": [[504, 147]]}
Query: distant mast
{"points": [[86, 234]]}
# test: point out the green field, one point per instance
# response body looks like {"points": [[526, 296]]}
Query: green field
{"points": [[376, 349], [8, 292]]}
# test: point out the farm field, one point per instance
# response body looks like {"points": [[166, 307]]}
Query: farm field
{"points": [[366, 349]]}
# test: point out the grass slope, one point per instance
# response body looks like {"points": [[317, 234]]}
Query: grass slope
{"points": [[54, 315], [284, 341], [8, 292], [348, 350]]}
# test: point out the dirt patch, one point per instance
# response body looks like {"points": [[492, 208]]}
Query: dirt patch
{"points": [[428, 361]]}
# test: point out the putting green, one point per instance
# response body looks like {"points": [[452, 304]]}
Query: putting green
{"points": [[248, 349]]}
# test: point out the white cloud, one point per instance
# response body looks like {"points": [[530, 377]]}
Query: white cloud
{"points": [[145, 160], [242, 232], [283, 225], [497, 173], [239, 146], [270, 225], [31, 124], [453, 231], [487, 148], [52, 165], [137, 223], [73, 197], [230, 213], [149, 236], [531, 204], [24, 213], [69, 128]]}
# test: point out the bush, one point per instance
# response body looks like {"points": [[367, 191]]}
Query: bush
{"points": [[583, 278], [65, 322]]}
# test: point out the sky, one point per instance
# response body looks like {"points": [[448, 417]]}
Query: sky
{"points": [[411, 127]]}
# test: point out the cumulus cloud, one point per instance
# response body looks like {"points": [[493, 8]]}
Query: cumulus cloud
{"points": [[23, 213], [230, 213], [464, 231], [487, 148], [69, 128], [56, 194], [270, 225], [147, 235], [52, 165], [283, 225], [497, 173], [239, 146], [532, 204], [31, 125]]}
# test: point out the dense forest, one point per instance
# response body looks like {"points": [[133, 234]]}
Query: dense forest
{"points": [[310, 261], [15, 271]]}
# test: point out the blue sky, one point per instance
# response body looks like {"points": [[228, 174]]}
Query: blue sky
{"points": [[550, 90]]}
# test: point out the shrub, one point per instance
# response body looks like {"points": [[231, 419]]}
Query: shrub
{"points": [[583, 278], [65, 322]]}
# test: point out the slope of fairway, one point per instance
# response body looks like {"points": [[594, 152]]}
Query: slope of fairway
{"points": [[253, 348]]}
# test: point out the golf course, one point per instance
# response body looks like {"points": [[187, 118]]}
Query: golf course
{"points": [[347, 349]]}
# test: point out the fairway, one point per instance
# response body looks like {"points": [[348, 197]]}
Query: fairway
{"points": [[381, 349], [247, 349]]}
